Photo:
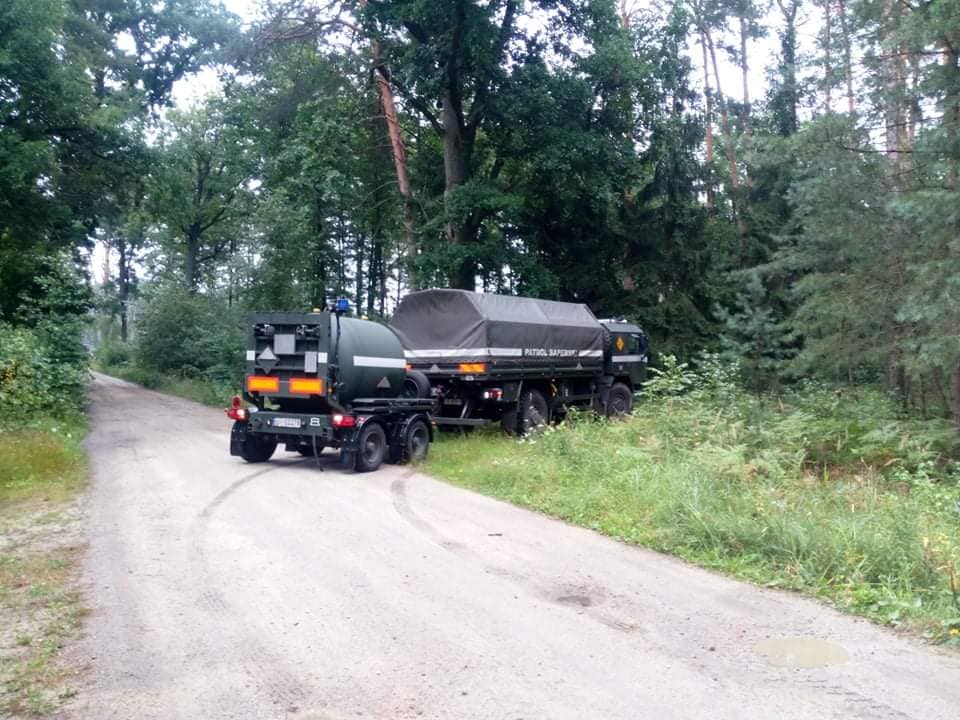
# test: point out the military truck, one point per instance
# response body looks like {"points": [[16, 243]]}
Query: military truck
{"points": [[317, 380], [520, 361]]}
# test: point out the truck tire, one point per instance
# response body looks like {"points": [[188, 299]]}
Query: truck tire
{"points": [[536, 414], [619, 401], [372, 447], [416, 443], [416, 385], [256, 448]]}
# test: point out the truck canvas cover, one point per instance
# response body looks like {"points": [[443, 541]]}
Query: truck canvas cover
{"points": [[444, 326]]}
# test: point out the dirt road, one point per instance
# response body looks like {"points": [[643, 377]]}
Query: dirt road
{"points": [[225, 590]]}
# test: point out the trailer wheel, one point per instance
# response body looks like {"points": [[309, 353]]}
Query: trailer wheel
{"points": [[536, 414], [416, 385], [416, 444], [373, 447], [256, 448], [619, 401]]}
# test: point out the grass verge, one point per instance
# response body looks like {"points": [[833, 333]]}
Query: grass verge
{"points": [[42, 470], [834, 496]]}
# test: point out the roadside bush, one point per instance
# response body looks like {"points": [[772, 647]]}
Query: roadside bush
{"points": [[113, 354], [43, 363], [32, 381], [189, 334]]}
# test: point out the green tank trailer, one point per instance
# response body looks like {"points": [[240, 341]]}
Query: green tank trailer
{"points": [[318, 380]]}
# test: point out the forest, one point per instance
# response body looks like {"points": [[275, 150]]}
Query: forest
{"points": [[770, 188], [608, 152]]}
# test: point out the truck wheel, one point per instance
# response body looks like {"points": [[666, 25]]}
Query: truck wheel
{"points": [[257, 449], [417, 442], [619, 401], [416, 385], [536, 414], [373, 447]]}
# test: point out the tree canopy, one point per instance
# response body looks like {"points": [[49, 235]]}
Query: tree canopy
{"points": [[588, 150]]}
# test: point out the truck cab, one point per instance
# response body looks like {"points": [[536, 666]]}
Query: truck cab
{"points": [[625, 352]]}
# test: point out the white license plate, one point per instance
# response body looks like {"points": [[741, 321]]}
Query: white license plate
{"points": [[286, 422]]}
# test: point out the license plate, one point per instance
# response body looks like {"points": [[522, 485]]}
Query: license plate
{"points": [[286, 422]]}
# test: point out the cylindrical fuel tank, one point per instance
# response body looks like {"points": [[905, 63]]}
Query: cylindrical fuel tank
{"points": [[370, 358]]}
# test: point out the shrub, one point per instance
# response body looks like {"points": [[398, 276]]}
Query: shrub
{"points": [[189, 334], [32, 380], [113, 354]]}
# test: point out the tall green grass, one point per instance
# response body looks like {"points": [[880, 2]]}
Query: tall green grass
{"points": [[830, 494], [42, 461]]}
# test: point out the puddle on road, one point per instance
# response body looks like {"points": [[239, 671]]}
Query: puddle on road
{"points": [[801, 652]]}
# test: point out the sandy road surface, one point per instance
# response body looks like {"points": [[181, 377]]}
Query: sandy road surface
{"points": [[225, 590]]}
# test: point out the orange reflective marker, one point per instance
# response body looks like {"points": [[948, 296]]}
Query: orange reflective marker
{"points": [[306, 386], [473, 368], [263, 383]]}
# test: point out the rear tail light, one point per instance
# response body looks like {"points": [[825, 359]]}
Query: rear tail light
{"points": [[263, 383], [306, 386], [237, 411], [472, 368], [344, 421]]}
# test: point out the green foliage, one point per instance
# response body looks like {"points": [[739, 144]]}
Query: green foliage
{"points": [[25, 374], [112, 354], [195, 335], [754, 336], [821, 492], [43, 365], [31, 382], [671, 378]]}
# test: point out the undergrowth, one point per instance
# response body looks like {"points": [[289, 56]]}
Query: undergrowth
{"points": [[822, 491]]}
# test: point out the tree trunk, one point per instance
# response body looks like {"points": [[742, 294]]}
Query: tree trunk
{"points": [[457, 150], [955, 396], [847, 58], [191, 264], [400, 165], [894, 81], [399, 152], [951, 115], [708, 121], [788, 122], [828, 55], [747, 128], [729, 142], [724, 116], [123, 287], [359, 257]]}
